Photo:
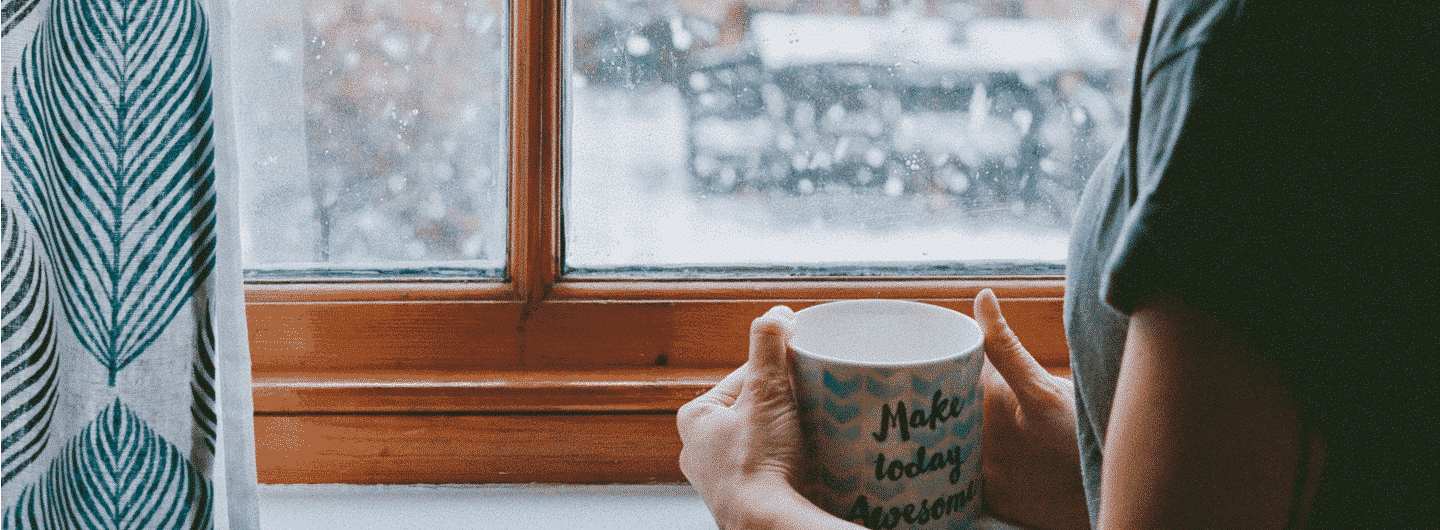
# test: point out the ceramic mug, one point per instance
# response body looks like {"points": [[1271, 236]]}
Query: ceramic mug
{"points": [[891, 410]]}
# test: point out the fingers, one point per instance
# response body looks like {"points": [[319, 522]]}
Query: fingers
{"points": [[1026, 378], [721, 396], [765, 374], [770, 337], [769, 343], [725, 393]]}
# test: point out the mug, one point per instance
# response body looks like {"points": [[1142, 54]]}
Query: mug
{"points": [[891, 409]]}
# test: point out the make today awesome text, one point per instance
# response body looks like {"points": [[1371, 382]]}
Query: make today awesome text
{"points": [[940, 410], [900, 417]]}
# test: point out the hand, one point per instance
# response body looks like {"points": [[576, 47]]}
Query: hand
{"points": [[741, 439], [1031, 460]]}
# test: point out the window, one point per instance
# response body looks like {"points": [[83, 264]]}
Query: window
{"points": [[935, 138], [374, 137], [545, 355]]}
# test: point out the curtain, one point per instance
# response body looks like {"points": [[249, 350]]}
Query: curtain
{"points": [[126, 370]]}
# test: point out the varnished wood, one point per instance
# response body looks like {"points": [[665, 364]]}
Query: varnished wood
{"points": [[326, 337], [338, 337], [438, 391], [634, 390], [470, 449], [535, 147], [441, 448], [715, 333], [659, 389]]}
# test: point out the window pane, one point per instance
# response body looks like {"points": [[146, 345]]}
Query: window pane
{"points": [[372, 136], [832, 135]]}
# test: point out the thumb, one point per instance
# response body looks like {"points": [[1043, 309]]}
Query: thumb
{"points": [[1022, 372], [769, 346]]}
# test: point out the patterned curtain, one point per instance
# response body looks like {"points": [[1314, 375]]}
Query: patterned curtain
{"points": [[126, 373]]}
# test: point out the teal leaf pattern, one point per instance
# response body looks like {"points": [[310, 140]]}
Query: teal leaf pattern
{"points": [[117, 473], [926, 436], [963, 523], [202, 382], [109, 142], [15, 12], [962, 428], [30, 361]]}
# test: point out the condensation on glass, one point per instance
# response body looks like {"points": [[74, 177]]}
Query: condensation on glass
{"points": [[372, 136], [859, 137]]}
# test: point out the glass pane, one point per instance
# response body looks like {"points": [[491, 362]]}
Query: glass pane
{"points": [[372, 136], [786, 137]]}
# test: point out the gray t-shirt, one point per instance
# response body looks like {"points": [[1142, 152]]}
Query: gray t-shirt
{"points": [[1279, 177], [1096, 333]]}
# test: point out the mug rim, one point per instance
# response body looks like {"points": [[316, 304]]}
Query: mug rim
{"points": [[968, 349]]}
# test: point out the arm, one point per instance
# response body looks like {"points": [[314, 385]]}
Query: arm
{"points": [[1203, 433]]}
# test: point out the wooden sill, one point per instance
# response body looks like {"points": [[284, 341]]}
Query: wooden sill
{"points": [[606, 427], [466, 383], [460, 328], [660, 390]]}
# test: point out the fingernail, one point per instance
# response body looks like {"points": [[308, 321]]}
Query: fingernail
{"points": [[781, 310]]}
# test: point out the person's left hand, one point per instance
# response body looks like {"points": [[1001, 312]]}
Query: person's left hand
{"points": [[742, 445], [744, 434]]}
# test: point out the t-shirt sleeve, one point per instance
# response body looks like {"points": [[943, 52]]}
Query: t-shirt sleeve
{"points": [[1283, 183], [1282, 186]]}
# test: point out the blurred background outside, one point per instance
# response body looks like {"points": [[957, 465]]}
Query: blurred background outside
{"points": [[372, 136], [701, 135]]}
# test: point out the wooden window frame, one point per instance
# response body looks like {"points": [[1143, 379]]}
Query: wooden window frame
{"points": [[540, 378]]}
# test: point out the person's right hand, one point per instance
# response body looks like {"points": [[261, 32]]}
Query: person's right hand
{"points": [[1031, 460]]}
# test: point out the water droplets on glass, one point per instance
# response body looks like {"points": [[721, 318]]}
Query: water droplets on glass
{"points": [[827, 136], [378, 127]]}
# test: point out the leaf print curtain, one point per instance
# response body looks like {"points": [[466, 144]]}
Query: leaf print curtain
{"points": [[126, 370]]}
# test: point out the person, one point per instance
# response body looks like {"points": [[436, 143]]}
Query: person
{"points": [[1249, 283]]}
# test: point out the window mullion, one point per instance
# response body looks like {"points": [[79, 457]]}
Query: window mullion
{"points": [[535, 147]]}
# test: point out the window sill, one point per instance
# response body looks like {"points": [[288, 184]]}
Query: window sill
{"points": [[464, 384], [645, 389], [651, 389]]}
